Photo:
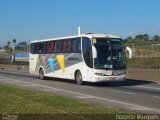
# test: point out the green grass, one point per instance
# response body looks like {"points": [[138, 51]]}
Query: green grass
{"points": [[24, 102], [144, 62]]}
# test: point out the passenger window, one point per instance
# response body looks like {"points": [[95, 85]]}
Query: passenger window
{"points": [[65, 46], [76, 45], [42, 48], [32, 48], [49, 47], [36, 48], [58, 46], [69, 46]]}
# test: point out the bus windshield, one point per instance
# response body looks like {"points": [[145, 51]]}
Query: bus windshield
{"points": [[110, 54]]}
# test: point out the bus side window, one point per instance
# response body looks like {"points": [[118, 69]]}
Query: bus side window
{"points": [[65, 45], [69, 48], [76, 45], [58, 47], [47, 47], [50, 47], [36, 48], [32, 48], [42, 48]]}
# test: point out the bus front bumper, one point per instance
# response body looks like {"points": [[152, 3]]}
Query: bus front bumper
{"points": [[109, 78]]}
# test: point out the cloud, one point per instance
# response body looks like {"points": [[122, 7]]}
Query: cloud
{"points": [[131, 33], [153, 29]]}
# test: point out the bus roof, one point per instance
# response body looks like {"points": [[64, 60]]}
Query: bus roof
{"points": [[90, 35]]}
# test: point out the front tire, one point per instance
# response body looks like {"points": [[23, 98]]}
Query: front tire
{"points": [[78, 78], [41, 74]]}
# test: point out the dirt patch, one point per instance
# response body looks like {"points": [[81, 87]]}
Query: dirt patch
{"points": [[144, 74], [10, 67]]}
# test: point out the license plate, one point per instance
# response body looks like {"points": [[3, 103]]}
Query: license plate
{"points": [[113, 78]]}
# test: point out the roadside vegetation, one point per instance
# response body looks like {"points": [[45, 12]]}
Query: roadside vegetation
{"points": [[144, 63], [4, 58], [17, 101], [12, 47], [146, 51]]}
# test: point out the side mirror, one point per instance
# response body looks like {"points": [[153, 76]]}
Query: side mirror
{"points": [[130, 54], [94, 51]]}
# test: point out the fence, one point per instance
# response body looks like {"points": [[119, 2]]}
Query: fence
{"points": [[145, 57], [5, 58]]}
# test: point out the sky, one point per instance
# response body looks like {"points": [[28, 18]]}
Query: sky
{"points": [[27, 20]]}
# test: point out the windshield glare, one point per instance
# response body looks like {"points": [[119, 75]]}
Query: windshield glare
{"points": [[110, 54]]}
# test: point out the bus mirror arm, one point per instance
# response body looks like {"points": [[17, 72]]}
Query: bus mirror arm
{"points": [[94, 52], [130, 52]]}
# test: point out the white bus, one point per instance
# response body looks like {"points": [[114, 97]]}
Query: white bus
{"points": [[85, 57]]}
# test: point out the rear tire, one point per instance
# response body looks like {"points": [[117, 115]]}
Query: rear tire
{"points": [[78, 78], [41, 74]]}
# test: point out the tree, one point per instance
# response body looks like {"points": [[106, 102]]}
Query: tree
{"points": [[139, 37], [142, 37], [8, 44], [24, 43], [146, 37], [129, 38], [156, 38], [4, 47], [23, 46], [14, 41]]}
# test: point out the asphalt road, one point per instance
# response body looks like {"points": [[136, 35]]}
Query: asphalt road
{"points": [[131, 95]]}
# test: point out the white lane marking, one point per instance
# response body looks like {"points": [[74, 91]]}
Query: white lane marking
{"points": [[155, 88], [157, 97], [122, 92], [13, 81], [85, 97], [28, 85], [136, 108], [100, 98]]}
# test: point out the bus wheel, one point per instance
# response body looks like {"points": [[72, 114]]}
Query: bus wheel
{"points": [[78, 78], [41, 74]]}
